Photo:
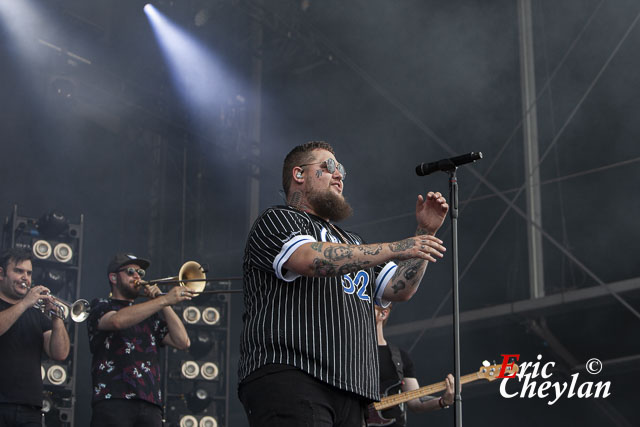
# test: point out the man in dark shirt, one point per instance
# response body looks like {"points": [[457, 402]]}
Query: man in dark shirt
{"points": [[397, 374], [308, 351], [125, 338], [24, 333]]}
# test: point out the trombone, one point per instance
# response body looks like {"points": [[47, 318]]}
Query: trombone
{"points": [[191, 276]]}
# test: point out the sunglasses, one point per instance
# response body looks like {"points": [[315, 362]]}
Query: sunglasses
{"points": [[331, 166], [131, 271]]}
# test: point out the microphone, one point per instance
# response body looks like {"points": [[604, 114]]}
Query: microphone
{"points": [[446, 165]]}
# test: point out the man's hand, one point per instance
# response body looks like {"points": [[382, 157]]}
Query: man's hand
{"points": [[425, 247], [448, 396], [431, 212], [36, 294], [152, 291], [178, 294]]}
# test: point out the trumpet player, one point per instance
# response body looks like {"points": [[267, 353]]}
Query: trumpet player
{"points": [[124, 339], [24, 333]]}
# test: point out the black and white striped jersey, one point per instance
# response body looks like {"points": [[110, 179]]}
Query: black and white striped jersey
{"points": [[324, 326]]}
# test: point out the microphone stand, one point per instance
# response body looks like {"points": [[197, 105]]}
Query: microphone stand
{"points": [[453, 194], [450, 166]]}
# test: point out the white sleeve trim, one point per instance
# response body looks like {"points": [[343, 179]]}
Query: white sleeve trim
{"points": [[285, 253], [381, 283]]}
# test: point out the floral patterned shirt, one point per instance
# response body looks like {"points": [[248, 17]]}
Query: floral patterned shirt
{"points": [[125, 363]]}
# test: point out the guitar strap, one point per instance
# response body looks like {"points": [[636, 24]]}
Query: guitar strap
{"points": [[396, 357]]}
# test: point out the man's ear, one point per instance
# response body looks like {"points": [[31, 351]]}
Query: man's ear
{"points": [[298, 175], [112, 278]]}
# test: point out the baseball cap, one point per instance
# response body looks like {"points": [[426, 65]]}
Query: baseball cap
{"points": [[124, 259]]}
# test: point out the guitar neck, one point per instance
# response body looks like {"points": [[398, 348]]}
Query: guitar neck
{"points": [[396, 399]]}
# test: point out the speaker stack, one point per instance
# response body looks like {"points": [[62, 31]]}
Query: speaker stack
{"points": [[197, 379]]}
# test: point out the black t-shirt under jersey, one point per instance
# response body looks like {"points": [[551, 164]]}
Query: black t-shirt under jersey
{"points": [[21, 356], [390, 383]]}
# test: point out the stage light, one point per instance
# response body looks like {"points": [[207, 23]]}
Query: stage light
{"points": [[202, 17], [52, 279], [201, 345], [57, 375], [208, 421], [209, 371], [63, 252], [198, 76], [191, 315], [47, 405], [41, 249], [188, 421], [52, 224], [198, 400], [210, 316], [190, 369], [42, 372]]}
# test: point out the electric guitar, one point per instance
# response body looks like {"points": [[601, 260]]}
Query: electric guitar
{"points": [[375, 418]]}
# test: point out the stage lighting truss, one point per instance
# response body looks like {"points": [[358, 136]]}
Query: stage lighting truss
{"points": [[57, 374], [188, 421], [191, 421], [193, 315], [209, 371], [47, 404], [62, 252], [190, 370], [208, 421], [211, 316], [41, 249]]}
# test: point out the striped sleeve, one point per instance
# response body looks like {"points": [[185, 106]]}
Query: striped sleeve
{"points": [[277, 234], [384, 273]]}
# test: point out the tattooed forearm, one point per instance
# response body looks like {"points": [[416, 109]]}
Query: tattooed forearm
{"points": [[410, 268], [317, 246], [353, 266], [370, 249], [408, 275], [398, 285], [402, 245], [323, 268], [336, 253]]}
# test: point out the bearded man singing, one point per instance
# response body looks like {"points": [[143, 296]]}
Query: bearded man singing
{"points": [[308, 351]]}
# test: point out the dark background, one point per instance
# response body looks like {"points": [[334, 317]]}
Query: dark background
{"points": [[390, 84]]}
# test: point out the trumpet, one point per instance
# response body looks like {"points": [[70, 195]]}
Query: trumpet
{"points": [[192, 277], [78, 310]]}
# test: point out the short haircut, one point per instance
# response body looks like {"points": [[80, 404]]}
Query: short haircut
{"points": [[13, 254], [299, 156]]}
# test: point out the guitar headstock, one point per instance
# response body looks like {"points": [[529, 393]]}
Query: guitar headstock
{"points": [[491, 372]]}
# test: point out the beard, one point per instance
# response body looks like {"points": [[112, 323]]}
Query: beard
{"points": [[327, 204], [126, 291]]}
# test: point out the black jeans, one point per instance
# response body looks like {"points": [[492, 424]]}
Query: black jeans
{"points": [[126, 413], [13, 415], [292, 398]]}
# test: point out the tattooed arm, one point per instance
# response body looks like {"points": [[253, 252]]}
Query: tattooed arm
{"points": [[430, 214], [408, 275], [322, 259]]}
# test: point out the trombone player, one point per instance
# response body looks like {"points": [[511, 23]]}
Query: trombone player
{"points": [[124, 339], [25, 332]]}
